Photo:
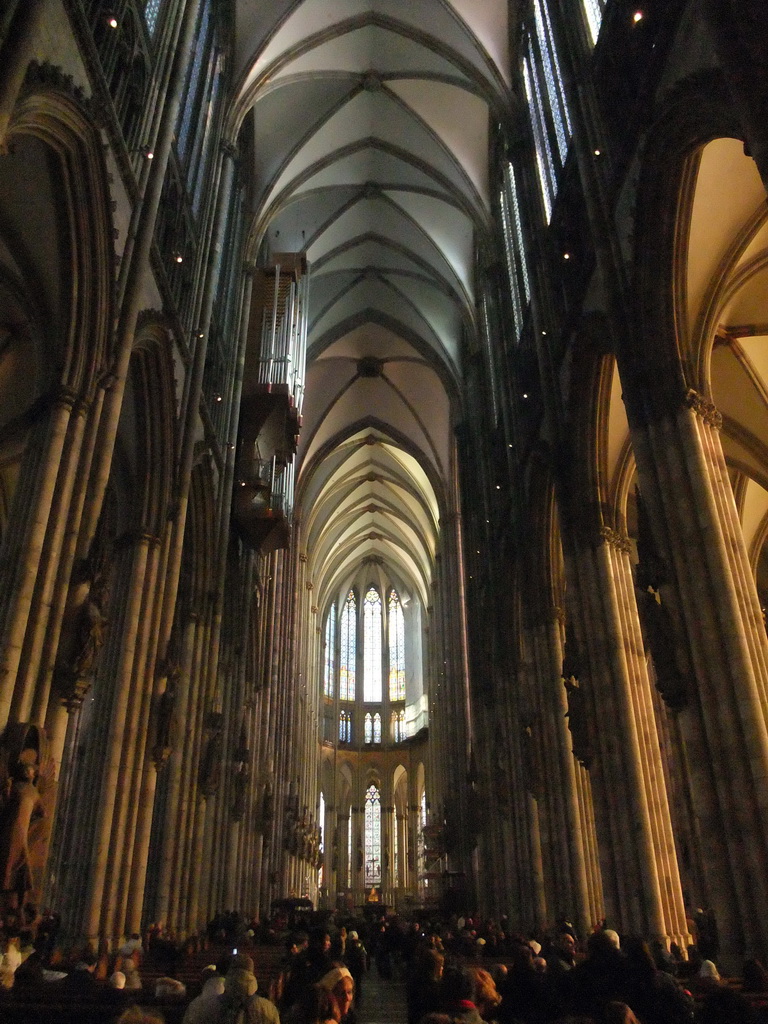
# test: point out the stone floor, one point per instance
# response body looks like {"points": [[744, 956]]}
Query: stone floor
{"points": [[383, 1001]]}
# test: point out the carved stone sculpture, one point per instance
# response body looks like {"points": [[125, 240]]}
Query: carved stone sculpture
{"points": [[27, 789]]}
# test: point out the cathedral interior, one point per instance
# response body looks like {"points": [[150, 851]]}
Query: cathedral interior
{"points": [[384, 460]]}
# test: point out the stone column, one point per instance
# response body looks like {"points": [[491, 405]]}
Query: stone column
{"points": [[685, 482], [24, 542]]}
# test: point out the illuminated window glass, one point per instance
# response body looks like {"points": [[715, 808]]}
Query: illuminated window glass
{"points": [[368, 728], [395, 850], [553, 78], [330, 652], [200, 159], [191, 100], [151, 11], [372, 837], [377, 728], [547, 104], [398, 726], [345, 727], [544, 162], [514, 247], [396, 647], [421, 850], [594, 12], [372, 646], [321, 822], [349, 849], [348, 648]]}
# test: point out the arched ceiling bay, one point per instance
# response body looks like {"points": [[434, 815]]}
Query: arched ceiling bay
{"points": [[372, 122], [371, 498]]}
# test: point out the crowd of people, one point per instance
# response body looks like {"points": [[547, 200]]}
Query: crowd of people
{"points": [[453, 971]]}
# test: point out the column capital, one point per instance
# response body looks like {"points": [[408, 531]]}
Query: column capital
{"points": [[616, 540], [707, 410]]}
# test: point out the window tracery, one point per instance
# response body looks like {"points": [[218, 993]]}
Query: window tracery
{"points": [[372, 646], [348, 648], [372, 837], [330, 652], [396, 626]]}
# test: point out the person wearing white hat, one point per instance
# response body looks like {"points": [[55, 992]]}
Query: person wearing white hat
{"points": [[339, 982]]}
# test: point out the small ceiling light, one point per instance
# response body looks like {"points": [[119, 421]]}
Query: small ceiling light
{"points": [[218, 398], [112, 21], [149, 154], [525, 394], [179, 258], [637, 16], [597, 152], [498, 487], [566, 255], [543, 334]]}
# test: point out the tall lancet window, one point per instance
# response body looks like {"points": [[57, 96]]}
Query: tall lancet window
{"points": [[594, 12], [348, 648], [349, 849], [151, 12], [547, 104], [517, 264], [396, 647], [372, 646], [368, 728], [372, 837], [398, 726], [345, 727], [330, 652]]}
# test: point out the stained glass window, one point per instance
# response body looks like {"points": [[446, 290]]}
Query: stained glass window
{"points": [[349, 849], [372, 646], [348, 648], [190, 103], [368, 728], [398, 726], [547, 103], [594, 12], [345, 727], [396, 647], [330, 652], [372, 837], [377, 728], [517, 264], [395, 847], [421, 858], [151, 11], [553, 78], [321, 822]]}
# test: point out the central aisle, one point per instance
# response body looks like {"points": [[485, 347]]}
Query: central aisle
{"points": [[383, 1001]]}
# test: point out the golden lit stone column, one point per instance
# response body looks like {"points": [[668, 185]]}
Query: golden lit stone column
{"points": [[23, 545], [113, 780], [641, 883], [648, 748], [685, 482], [558, 763]]}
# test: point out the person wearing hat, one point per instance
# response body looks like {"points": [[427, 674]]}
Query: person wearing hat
{"points": [[339, 982], [239, 1003]]}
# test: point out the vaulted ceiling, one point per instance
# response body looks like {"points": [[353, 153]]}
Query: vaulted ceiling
{"points": [[372, 126]]}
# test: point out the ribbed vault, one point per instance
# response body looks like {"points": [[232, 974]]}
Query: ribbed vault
{"points": [[372, 121]]}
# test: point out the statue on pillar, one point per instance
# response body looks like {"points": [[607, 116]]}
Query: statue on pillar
{"points": [[27, 795], [161, 749], [210, 766], [655, 618], [577, 714], [267, 808], [84, 631]]}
